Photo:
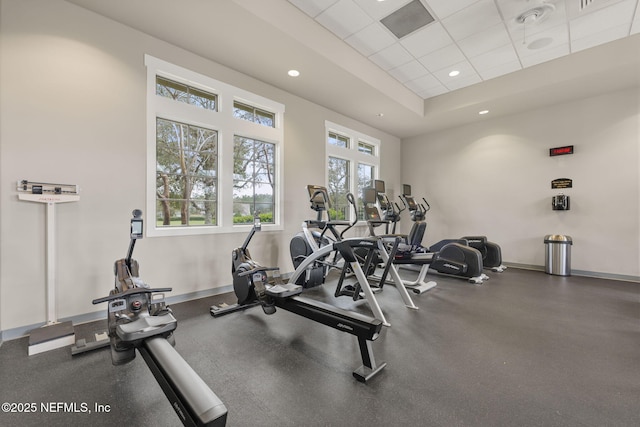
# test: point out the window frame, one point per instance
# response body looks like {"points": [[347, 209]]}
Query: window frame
{"points": [[227, 125], [353, 155]]}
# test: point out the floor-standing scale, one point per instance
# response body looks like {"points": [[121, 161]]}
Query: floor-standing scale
{"points": [[53, 334]]}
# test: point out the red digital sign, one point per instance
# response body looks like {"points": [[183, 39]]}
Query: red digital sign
{"points": [[559, 151]]}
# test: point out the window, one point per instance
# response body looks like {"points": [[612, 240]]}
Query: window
{"points": [[186, 174], [338, 140], [352, 165], [184, 93], [253, 114], [253, 180], [208, 171]]}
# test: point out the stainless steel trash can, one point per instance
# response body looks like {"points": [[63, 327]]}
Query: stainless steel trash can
{"points": [[557, 248]]}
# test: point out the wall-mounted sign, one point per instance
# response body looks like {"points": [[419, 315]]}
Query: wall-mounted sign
{"points": [[562, 183], [559, 151]]}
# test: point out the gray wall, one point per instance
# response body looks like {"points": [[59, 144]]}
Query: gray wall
{"points": [[494, 179], [72, 103]]}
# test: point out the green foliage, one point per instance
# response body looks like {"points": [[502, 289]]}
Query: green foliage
{"points": [[265, 218]]}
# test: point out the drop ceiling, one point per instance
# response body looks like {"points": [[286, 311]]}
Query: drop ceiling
{"points": [[510, 55]]}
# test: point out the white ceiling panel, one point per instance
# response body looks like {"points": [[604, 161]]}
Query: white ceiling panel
{"points": [[379, 9], [442, 58], [491, 72], [544, 55], [602, 37], [391, 57], [313, 7], [467, 76], [600, 21], [472, 20], [409, 71], [426, 83], [344, 18], [485, 41], [371, 39], [487, 61], [426, 40], [444, 8]]}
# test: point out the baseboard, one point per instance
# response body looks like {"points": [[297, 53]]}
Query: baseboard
{"points": [[23, 331], [584, 273]]}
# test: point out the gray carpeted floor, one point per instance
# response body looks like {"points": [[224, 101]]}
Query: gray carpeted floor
{"points": [[524, 349]]}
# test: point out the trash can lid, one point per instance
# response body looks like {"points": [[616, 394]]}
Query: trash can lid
{"points": [[558, 238]]}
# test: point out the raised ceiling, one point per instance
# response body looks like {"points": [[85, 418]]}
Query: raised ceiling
{"points": [[477, 40], [353, 64]]}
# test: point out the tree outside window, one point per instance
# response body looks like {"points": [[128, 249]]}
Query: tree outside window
{"points": [[253, 180], [186, 174]]}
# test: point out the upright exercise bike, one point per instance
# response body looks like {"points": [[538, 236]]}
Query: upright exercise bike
{"points": [[139, 319]]}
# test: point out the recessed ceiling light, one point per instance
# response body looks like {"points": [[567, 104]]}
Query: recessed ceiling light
{"points": [[293, 73], [454, 73], [483, 112]]}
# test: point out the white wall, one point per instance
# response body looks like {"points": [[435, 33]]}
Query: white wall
{"points": [[72, 104], [494, 179]]}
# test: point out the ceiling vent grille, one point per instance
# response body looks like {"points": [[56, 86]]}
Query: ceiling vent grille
{"points": [[407, 19]]}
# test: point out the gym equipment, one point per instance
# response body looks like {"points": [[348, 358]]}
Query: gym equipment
{"points": [[52, 334], [310, 252], [448, 257], [139, 319], [255, 284], [491, 252], [309, 241]]}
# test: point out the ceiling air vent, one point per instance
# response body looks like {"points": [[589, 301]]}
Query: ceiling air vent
{"points": [[576, 8], [407, 19]]}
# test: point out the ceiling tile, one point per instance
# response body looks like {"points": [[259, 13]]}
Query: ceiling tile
{"points": [[485, 41], [459, 83], [500, 70], [467, 76], [344, 18], [442, 58], [371, 39], [495, 58], [603, 19], [425, 83], [312, 7], [434, 91], [473, 19], [429, 39], [535, 43], [409, 71], [544, 55], [600, 38], [510, 9], [379, 9], [444, 8], [549, 22], [391, 57]]}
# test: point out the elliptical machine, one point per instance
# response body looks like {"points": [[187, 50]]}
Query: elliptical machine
{"points": [[311, 250], [139, 319], [255, 284], [491, 252], [448, 257]]}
